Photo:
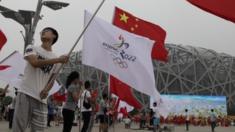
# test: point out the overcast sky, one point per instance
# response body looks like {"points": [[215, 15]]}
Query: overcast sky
{"points": [[184, 23]]}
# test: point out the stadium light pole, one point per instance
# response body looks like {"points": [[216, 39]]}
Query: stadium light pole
{"points": [[30, 19]]}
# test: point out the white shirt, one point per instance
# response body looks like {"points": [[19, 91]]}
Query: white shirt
{"points": [[88, 95], [12, 105], [35, 79], [156, 112], [187, 116], [127, 120], [212, 117]]}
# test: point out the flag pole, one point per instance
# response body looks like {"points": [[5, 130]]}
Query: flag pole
{"points": [[80, 115], [80, 112], [80, 101], [109, 99], [109, 92], [76, 42], [88, 24], [110, 96]]}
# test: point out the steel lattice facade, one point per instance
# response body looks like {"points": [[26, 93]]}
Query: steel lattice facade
{"points": [[189, 71]]}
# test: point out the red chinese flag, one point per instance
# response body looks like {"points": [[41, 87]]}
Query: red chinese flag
{"points": [[221, 8], [3, 39], [128, 22], [124, 93], [4, 67]]}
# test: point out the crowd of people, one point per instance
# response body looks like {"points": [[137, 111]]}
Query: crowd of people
{"points": [[148, 120], [103, 110], [197, 121], [151, 119]]}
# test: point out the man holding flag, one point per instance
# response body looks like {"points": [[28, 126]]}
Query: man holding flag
{"points": [[40, 66]]}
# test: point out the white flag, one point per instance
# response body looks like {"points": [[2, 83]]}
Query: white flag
{"points": [[16, 64], [15, 69], [124, 55], [123, 105]]}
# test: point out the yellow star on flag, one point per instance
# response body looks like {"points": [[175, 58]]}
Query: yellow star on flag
{"points": [[124, 17]]}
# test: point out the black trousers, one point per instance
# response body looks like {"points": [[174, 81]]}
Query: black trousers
{"points": [[213, 125], [187, 125], [86, 116], [10, 117], [49, 119], [68, 116], [142, 123], [151, 121]]}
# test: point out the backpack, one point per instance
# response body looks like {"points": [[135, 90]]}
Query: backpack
{"points": [[86, 104]]}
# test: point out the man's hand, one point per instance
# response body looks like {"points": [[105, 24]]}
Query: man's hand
{"points": [[6, 88], [43, 94], [63, 59], [45, 91]]}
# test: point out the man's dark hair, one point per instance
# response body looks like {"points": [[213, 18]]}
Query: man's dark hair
{"points": [[155, 104], [54, 32], [212, 110], [186, 110], [105, 96], [87, 84], [72, 76]]}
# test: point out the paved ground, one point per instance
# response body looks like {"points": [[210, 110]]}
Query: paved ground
{"points": [[120, 128]]}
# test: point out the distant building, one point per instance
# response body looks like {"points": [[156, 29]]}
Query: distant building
{"points": [[189, 71]]}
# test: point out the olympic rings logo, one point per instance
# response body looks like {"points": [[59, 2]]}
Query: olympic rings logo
{"points": [[122, 64]]}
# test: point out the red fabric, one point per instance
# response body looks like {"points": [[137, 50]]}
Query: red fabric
{"points": [[3, 39], [221, 8], [116, 108], [59, 97], [97, 107], [117, 104], [146, 29], [94, 94], [124, 112], [124, 93], [3, 67]]}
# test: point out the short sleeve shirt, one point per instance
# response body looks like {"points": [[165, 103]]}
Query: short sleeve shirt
{"points": [[156, 113], [70, 103], [35, 79], [212, 117], [86, 94], [102, 107], [187, 116]]}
